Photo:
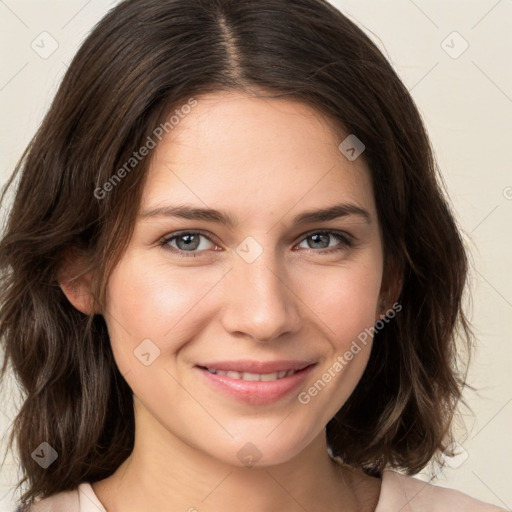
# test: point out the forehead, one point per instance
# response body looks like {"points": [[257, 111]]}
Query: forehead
{"points": [[253, 155]]}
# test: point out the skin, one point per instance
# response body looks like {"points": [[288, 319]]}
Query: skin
{"points": [[263, 161]]}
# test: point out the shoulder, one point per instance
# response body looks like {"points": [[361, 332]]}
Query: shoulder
{"points": [[409, 494], [81, 499], [63, 501]]}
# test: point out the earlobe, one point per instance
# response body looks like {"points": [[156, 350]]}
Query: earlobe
{"points": [[78, 295], [77, 284], [390, 292]]}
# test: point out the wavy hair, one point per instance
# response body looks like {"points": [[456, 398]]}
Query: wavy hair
{"points": [[141, 61]]}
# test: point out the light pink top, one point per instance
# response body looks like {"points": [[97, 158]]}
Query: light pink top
{"points": [[398, 493]]}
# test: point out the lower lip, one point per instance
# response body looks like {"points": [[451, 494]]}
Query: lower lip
{"points": [[256, 392]]}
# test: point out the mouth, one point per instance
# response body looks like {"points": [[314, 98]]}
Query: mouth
{"points": [[256, 382], [248, 376], [245, 369]]}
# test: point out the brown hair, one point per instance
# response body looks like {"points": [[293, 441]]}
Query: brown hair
{"points": [[143, 59]]}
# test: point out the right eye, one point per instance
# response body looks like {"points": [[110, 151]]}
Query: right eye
{"points": [[186, 242]]}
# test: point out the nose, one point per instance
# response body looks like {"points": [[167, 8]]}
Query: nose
{"points": [[260, 302]]}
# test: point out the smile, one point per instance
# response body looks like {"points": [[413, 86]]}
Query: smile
{"points": [[255, 382], [253, 376]]}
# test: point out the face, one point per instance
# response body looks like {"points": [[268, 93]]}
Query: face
{"points": [[192, 292]]}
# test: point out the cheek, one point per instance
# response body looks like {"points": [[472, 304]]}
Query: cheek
{"points": [[346, 305], [345, 300], [150, 301]]}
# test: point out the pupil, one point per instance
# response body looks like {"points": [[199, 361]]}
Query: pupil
{"points": [[316, 237], [188, 241]]}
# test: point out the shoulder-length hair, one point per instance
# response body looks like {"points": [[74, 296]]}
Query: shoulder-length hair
{"points": [[143, 60]]}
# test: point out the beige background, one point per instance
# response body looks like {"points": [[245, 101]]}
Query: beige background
{"points": [[466, 100]]}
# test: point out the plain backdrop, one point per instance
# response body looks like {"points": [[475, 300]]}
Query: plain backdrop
{"points": [[455, 58]]}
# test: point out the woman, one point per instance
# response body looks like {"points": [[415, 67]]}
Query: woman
{"points": [[230, 277]]}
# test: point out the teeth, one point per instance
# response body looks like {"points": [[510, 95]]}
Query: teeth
{"points": [[253, 376], [247, 376]]}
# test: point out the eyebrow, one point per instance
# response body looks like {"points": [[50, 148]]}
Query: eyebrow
{"points": [[224, 218]]}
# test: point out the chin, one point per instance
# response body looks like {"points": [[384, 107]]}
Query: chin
{"points": [[263, 450]]}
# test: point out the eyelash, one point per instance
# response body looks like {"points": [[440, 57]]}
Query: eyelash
{"points": [[346, 242]]}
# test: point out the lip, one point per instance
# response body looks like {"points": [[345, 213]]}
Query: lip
{"points": [[246, 365], [257, 392]]}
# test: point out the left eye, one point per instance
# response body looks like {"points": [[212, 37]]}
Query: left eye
{"points": [[190, 242], [186, 241], [321, 238]]}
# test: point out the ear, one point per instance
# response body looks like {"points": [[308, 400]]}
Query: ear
{"points": [[391, 288], [76, 282]]}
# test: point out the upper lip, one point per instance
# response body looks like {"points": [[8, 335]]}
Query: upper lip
{"points": [[257, 366]]}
